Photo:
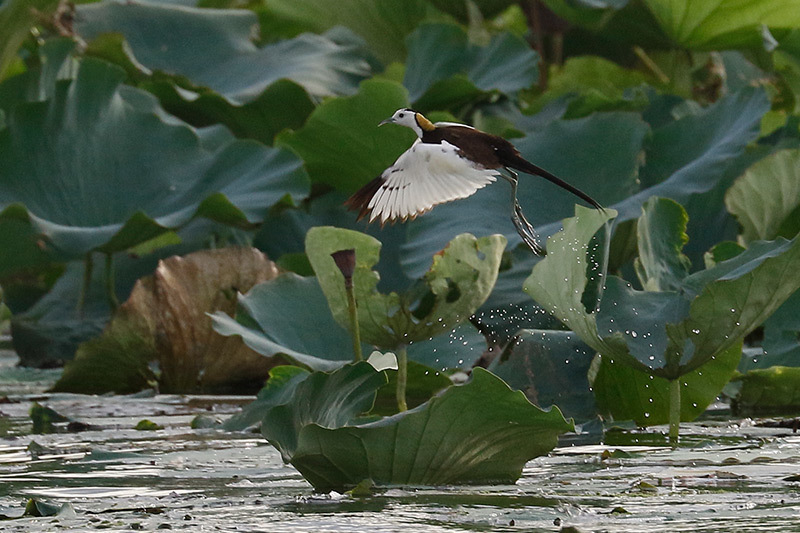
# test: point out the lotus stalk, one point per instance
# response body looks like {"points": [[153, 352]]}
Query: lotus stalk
{"points": [[346, 262], [674, 411], [111, 294], [402, 378], [88, 265]]}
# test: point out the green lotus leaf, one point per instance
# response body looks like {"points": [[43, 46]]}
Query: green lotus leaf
{"points": [[557, 283], [270, 318], [341, 143], [766, 198], [661, 230], [625, 393], [97, 169], [439, 51], [733, 305], [768, 392], [682, 23], [282, 382], [782, 335], [213, 48], [719, 25], [383, 24], [497, 432], [550, 367], [461, 278]]}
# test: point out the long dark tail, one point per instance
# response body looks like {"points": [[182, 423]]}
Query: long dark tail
{"points": [[518, 163]]}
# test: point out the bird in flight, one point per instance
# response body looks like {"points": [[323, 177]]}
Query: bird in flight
{"points": [[447, 162]]}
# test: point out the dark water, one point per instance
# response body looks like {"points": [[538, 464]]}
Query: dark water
{"points": [[726, 476]]}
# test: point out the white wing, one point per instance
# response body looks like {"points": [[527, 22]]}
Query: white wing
{"points": [[425, 175]]}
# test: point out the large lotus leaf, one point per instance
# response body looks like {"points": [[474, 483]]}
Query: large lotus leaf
{"points": [[766, 198], [716, 25], [768, 392], [327, 399], [282, 382], [165, 320], [383, 24], [617, 20], [782, 335], [460, 280], [624, 393], [273, 319], [734, 305], [98, 170], [439, 51], [661, 232], [282, 105], [557, 283], [341, 143], [213, 48], [550, 367], [641, 317], [497, 432], [604, 167], [693, 160]]}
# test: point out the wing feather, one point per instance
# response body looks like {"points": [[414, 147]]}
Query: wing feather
{"points": [[424, 176]]}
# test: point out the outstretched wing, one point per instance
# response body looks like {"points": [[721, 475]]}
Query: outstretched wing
{"points": [[425, 175]]}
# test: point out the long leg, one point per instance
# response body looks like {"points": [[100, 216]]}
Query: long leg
{"points": [[524, 228]]}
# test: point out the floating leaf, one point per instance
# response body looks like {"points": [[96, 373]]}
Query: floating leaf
{"points": [[497, 432], [459, 281]]}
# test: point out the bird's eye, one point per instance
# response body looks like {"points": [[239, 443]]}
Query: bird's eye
{"points": [[401, 115]]}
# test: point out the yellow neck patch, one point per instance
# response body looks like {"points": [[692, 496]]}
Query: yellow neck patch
{"points": [[424, 123]]}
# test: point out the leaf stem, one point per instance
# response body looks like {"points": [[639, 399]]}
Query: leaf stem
{"points": [[111, 294], [674, 410], [351, 307], [402, 378], [88, 265]]}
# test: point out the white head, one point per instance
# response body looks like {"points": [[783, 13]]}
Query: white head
{"points": [[410, 119]]}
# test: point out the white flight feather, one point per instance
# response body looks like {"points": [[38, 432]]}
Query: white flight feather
{"points": [[426, 175]]}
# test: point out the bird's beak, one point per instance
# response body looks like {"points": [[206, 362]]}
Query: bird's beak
{"points": [[389, 120]]}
